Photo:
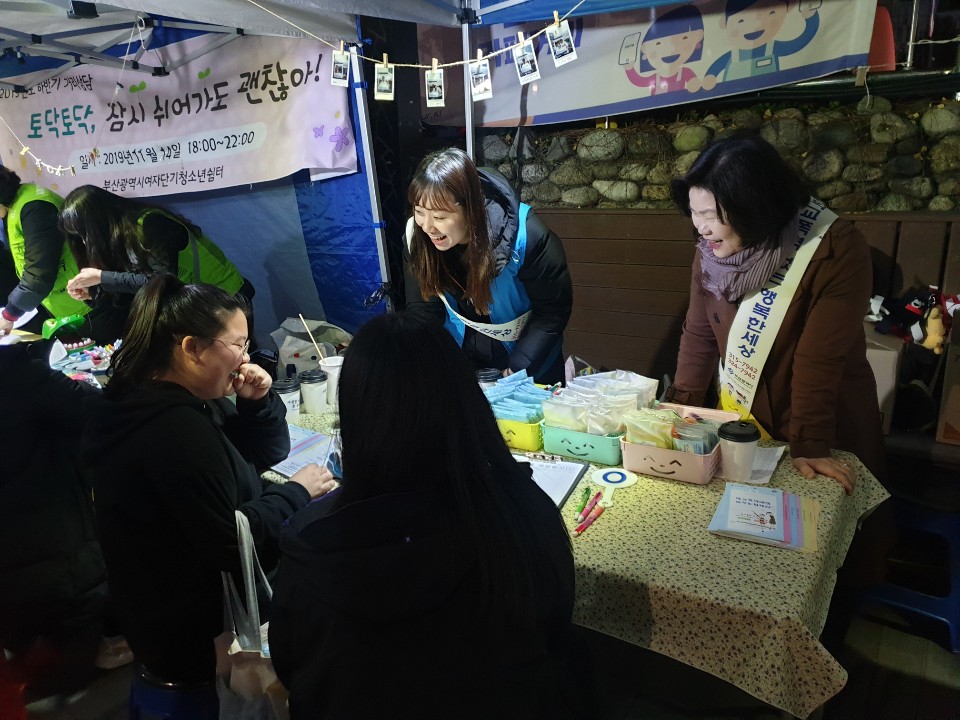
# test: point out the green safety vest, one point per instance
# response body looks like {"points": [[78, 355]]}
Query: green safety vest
{"points": [[58, 302], [201, 261]]}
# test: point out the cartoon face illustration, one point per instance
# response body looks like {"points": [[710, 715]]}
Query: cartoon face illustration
{"points": [[671, 42], [754, 24], [663, 469], [577, 449]]}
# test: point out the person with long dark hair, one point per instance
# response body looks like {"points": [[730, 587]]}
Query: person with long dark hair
{"points": [[120, 243], [767, 250], [485, 265], [437, 581], [172, 459]]}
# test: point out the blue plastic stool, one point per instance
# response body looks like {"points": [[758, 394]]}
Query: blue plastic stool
{"points": [[154, 699], [944, 609]]}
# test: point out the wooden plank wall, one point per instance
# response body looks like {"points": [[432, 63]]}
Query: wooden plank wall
{"points": [[631, 285], [631, 275]]}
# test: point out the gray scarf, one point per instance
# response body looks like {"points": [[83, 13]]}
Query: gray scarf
{"points": [[733, 277]]}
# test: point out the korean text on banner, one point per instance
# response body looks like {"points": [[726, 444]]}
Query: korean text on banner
{"points": [[657, 57], [256, 109]]}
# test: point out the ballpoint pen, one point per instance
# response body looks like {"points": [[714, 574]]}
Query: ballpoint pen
{"points": [[590, 505], [591, 518], [584, 496]]}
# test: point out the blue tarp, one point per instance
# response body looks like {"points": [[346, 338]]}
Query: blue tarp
{"points": [[543, 9]]}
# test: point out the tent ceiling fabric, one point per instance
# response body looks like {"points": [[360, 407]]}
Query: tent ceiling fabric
{"points": [[317, 16], [493, 12]]}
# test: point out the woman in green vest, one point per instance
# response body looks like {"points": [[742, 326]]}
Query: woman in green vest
{"points": [[120, 243], [41, 260]]}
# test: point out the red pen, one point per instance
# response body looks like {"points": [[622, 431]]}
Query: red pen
{"points": [[591, 518], [590, 505]]}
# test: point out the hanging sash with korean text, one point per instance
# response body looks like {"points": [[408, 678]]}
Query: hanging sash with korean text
{"points": [[761, 313]]}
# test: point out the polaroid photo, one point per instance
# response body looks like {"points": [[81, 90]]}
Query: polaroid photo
{"points": [[340, 71], [383, 82], [525, 58], [481, 86], [433, 81], [561, 43]]}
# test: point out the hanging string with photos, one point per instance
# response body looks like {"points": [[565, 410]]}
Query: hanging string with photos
{"points": [[60, 169]]}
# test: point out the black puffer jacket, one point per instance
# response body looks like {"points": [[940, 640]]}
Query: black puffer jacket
{"points": [[544, 276], [52, 577]]}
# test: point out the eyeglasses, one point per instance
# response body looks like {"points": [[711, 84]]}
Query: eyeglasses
{"points": [[243, 348]]}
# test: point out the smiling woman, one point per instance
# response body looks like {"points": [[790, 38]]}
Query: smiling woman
{"points": [[171, 460], [779, 290], [483, 264]]}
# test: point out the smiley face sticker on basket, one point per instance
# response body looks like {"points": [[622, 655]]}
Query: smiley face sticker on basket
{"points": [[611, 479]]}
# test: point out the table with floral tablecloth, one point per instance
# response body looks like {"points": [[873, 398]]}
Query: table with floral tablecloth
{"points": [[649, 573]]}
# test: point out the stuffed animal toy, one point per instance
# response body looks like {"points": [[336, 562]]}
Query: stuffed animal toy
{"points": [[908, 317], [934, 330]]}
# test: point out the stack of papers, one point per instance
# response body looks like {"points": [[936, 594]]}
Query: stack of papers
{"points": [[306, 447], [767, 515], [556, 478]]}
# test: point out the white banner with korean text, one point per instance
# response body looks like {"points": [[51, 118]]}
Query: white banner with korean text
{"points": [[256, 109], [656, 57]]}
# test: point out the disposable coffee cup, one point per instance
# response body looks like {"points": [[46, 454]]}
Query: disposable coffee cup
{"points": [[487, 377], [289, 391], [738, 448], [313, 391], [331, 366]]}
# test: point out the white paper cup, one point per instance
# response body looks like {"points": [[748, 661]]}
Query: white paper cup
{"points": [[288, 390], [313, 390], [738, 449], [331, 366]]}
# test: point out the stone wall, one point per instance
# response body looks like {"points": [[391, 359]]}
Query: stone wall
{"points": [[869, 156]]}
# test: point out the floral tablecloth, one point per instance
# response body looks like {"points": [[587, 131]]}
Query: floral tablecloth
{"points": [[649, 573]]}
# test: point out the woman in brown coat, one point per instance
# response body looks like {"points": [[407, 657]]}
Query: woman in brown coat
{"points": [[815, 389]]}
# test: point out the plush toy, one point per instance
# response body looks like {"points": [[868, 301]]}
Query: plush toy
{"points": [[934, 330], [917, 317]]}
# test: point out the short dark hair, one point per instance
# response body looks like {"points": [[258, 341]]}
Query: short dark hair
{"points": [[9, 185], [164, 311], [412, 418], [757, 193]]}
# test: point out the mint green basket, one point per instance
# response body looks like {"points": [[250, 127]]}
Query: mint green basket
{"points": [[602, 449]]}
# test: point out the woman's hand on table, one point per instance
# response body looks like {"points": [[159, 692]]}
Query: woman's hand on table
{"points": [[831, 467], [317, 480], [251, 382]]}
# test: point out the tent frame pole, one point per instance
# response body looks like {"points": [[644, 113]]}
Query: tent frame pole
{"points": [[370, 171], [467, 90]]}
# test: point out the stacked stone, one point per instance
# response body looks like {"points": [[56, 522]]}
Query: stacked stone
{"points": [[865, 157]]}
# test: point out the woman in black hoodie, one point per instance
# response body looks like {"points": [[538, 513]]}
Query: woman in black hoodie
{"points": [[172, 459], [437, 582]]}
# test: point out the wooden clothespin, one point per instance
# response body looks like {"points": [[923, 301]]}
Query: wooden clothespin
{"points": [[519, 38], [434, 65], [861, 76], [73, 170], [479, 55], [25, 150], [556, 18], [341, 46], [385, 63]]}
